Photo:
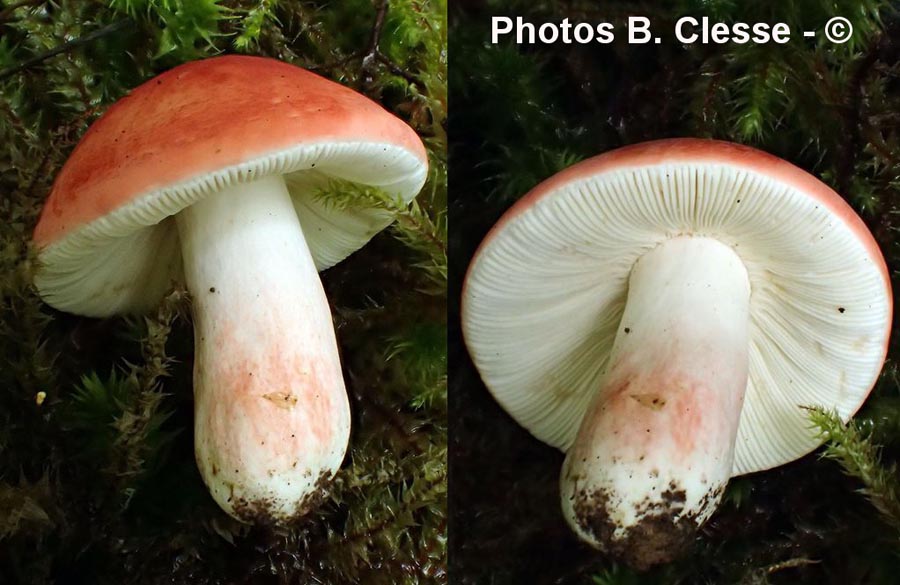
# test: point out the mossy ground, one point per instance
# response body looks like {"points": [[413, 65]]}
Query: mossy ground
{"points": [[520, 114], [97, 478]]}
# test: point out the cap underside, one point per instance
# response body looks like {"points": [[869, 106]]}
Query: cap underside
{"points": [[126, 260], [546, 293]]}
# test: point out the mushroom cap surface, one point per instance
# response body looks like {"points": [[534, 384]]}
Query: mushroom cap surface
{"points": [[106, 238], [546, 290]]}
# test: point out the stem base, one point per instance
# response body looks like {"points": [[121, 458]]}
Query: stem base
{"points": [[656, 447], [272, 417]]}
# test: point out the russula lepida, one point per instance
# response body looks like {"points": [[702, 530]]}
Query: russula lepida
{"points": [[663, 313], [209, 174]]}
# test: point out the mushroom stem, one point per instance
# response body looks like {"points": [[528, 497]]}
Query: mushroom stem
{"points": [[272, 417], [656, 447]]}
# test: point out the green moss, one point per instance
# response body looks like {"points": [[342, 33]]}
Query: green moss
{"points": [[860, 458]]}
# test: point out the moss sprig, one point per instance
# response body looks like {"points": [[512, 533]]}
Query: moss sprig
{"points": [[419, 228], [859, 457]]}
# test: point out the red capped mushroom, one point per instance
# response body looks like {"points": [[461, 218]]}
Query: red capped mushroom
{"points": [[209, 173], [663, 313]]}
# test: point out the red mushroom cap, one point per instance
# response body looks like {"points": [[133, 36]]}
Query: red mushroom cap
{"points": [[186, 134], [202, 117], [545, 291]]}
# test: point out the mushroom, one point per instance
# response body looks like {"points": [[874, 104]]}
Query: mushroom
{"points": [[210, 174], [663, 313]]}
